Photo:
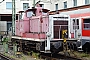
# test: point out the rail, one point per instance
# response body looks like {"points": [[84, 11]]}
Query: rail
{"points": [[3, 57], [57, 57]]}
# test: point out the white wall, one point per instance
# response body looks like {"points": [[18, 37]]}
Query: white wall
{"points": [[80, 2], [47, 5], [61, 5], [19, 6]]}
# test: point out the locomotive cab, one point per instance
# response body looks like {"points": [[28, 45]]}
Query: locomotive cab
{"points": [[36, 12], [21, 15], [30, 12]]}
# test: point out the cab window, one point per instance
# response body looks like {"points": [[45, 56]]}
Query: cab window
{"points": [[29, 13], [44, 13], [21, 15]]}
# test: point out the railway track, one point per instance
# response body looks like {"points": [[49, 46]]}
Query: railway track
{"points": [[57, 57], [49, 56], [3, 57]]}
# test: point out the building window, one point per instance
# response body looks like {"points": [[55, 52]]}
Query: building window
{"points": [[42, 5], [56, 5], [25, 6], [87, 1], [65, 4], [29, 13], [74, 2], [8, 5]]}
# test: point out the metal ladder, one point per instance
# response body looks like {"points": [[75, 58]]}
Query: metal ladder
{"points": [[66, 50]]}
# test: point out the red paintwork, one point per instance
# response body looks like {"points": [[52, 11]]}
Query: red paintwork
{"points": [[38, 11], [37, 36], [72, 35], [80, 15], [84, 32], [22, 26], [17, 32], [33, 27], [36, 25]]}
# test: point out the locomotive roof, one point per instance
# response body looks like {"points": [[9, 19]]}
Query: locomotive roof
{"points": [[45, 10], [20, 11], [34, 9], [71, 9]]}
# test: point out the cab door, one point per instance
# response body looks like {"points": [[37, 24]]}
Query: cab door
{"points": [[86, 27], [59, 26], [74, 27]]}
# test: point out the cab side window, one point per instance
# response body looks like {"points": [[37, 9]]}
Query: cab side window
{"points": [[21, 16], [29, 13]]}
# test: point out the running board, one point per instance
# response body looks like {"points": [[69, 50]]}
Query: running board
{"points": [[45, 51]]}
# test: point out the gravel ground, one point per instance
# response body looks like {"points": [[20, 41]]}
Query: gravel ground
{"points": [[24, 57], [27, 58]]}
